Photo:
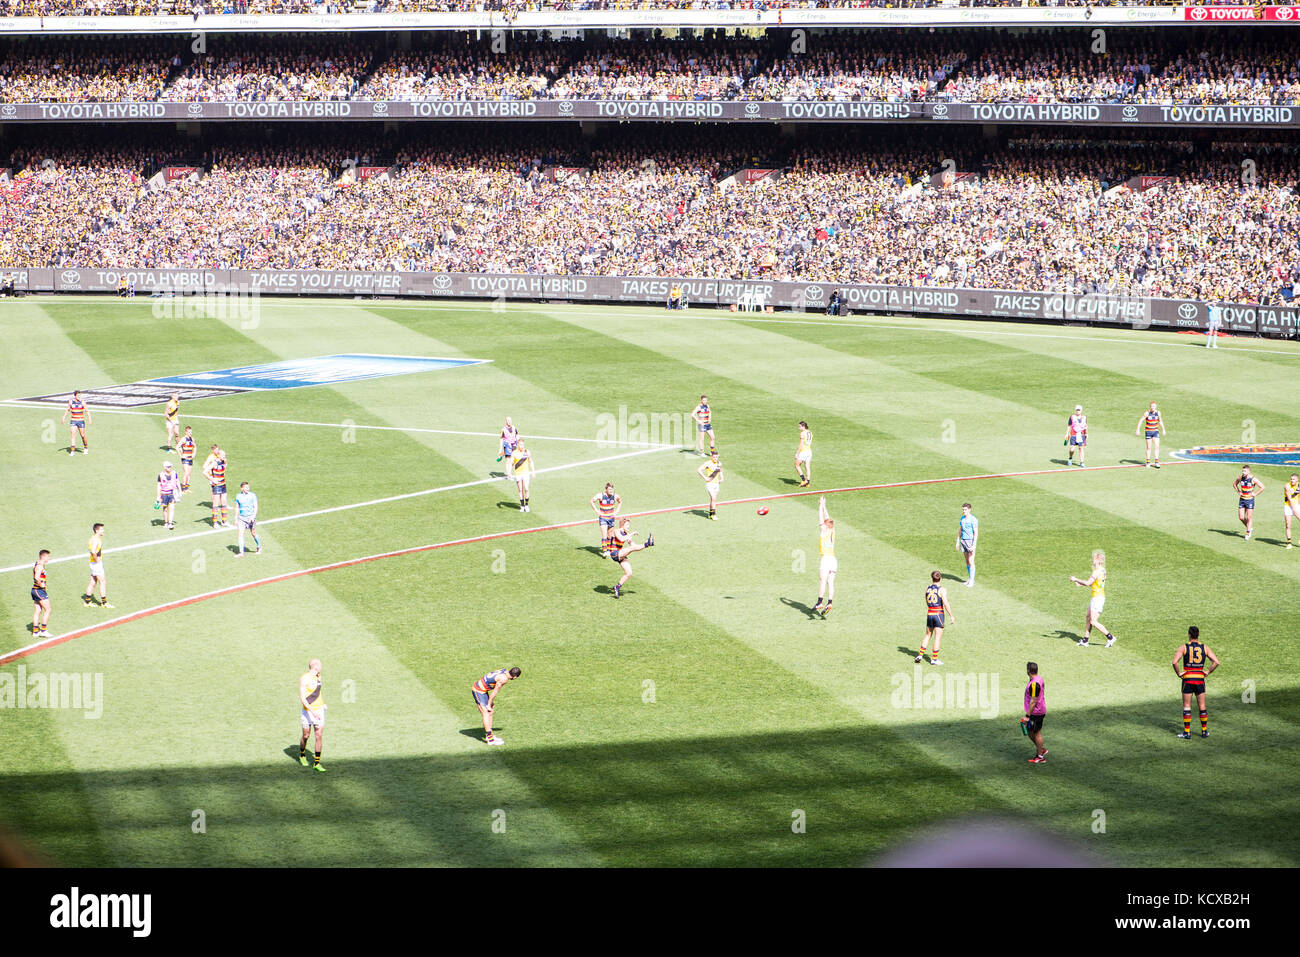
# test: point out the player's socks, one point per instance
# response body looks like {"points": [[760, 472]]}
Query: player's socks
{"points": [[817, 604], [618, 591], [104, 602], [1187, 721], [225, 515], [318, 766], [1205, 722], [87, 599]]}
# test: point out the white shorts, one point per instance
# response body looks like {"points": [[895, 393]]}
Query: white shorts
{"points": [[1095, 605], [1290, 512], [805, 456], [830, 565], [248, 523], [712, 488], [313, 719], [97, 569]]}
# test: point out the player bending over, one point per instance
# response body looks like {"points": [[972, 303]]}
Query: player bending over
{"points": [[485, 696], [623, 547]]}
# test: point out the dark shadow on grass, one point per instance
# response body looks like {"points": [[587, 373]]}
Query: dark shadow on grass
{"points": [[607, 590], [701, 512], [477, 733], [1060, 461], [703, 797], [800, 606], [1132, 462], [1272, 541], [790, 481], [1061, 633], [496, 474], [590, 548], [1231, 533], [949, 577], [515, 505]]}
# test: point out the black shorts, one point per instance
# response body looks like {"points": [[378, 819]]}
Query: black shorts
{"points": [[1036, 722], [933, 621], [614, 557], [1193, 687]]}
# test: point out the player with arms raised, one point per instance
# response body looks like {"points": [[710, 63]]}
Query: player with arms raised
{"points": [[829, 563], [485, 696], [1191, 657]]}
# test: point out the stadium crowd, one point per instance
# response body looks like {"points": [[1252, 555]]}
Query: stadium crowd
{"points": [[50, 8], [1141, 66], [1033, 214]]}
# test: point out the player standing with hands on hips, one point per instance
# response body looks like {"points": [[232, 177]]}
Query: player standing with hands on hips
{"points": [[1191, 655]]}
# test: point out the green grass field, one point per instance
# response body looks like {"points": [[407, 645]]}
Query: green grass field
{"points": [[692, 721]]}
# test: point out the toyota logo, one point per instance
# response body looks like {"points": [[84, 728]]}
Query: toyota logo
{"points": [[1187, 311], [442, 281], [1283, 13], [752, 109], [381, 108], [566, 108], [1130, 112], [10, 109], [941, 111], [196, 109], [71, 277], [813, 294], [1198, 13]]}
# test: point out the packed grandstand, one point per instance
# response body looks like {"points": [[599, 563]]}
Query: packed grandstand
{"points": [[1191, 211]]}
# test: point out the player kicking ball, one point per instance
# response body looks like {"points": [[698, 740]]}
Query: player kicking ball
{"points": [[1096, 601], [623, 548], [485, 696], [829, 563]]}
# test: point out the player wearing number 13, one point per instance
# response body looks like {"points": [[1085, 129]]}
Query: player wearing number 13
{"points": [[1191, 656]]}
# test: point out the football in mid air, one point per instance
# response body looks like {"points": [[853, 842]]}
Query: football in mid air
{"points": [[762, 510]]}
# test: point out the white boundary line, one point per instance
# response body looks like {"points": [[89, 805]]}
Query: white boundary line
{"points": [[341, 508], [17, 404]]}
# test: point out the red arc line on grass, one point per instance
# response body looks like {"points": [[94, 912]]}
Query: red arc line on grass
{"points": [[45, 643]]}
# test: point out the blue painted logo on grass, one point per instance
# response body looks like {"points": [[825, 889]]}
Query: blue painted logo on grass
{"points": [[321, 370], [1243, 454]]}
